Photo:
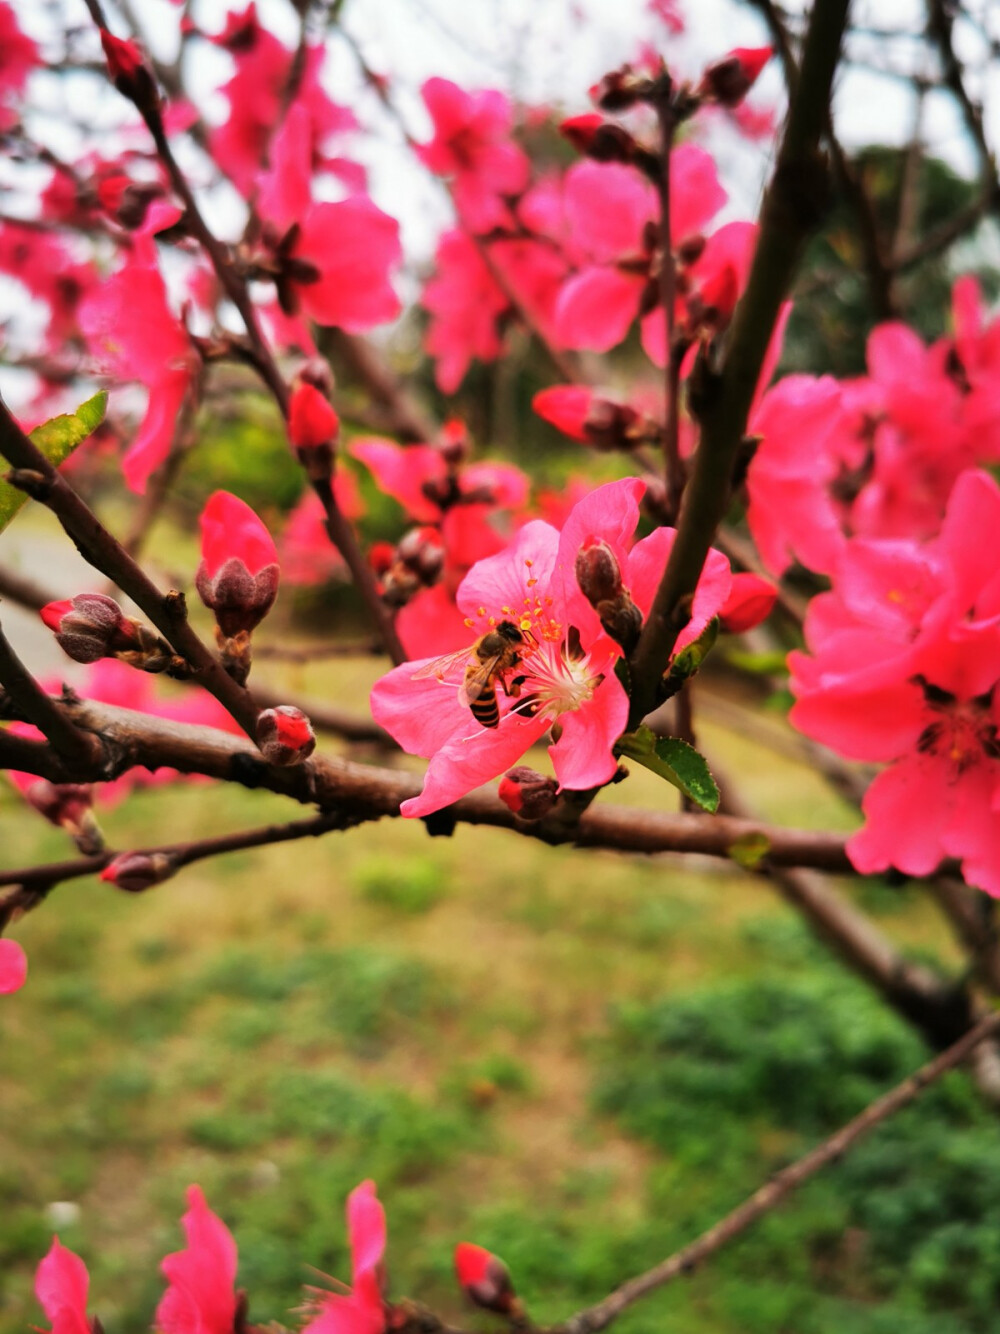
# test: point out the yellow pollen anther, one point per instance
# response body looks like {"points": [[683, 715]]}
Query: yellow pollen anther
{"points": [[493, 620], [525, 622], [482, 611], [532, 583], [529, 563], [469, 622]]}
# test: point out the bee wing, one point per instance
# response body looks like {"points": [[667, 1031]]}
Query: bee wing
{"points": [[478, 682], [443, 666]]}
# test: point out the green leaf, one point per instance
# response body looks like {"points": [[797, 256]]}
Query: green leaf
{"points": [[749, 850], [674, 760], [56, 438]]}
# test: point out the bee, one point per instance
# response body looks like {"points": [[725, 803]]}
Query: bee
{"points": [[487, 662]]}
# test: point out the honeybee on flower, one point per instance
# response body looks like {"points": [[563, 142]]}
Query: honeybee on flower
{"points": [[565, 669]]}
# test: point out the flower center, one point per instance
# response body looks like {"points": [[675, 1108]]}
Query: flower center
{"points": [[963, 731]]}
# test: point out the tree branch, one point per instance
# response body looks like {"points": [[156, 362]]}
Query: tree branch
{"points": [[361, 793], [74, 747], [168, 613]]}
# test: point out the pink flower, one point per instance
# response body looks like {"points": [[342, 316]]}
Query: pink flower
{"points": [[611, 213], [791, 513], [255, 93], [13, 967], [61, 1285], [18, 57], [531, 587], [337, 256], [465, 306], [238, 574], [905, 667], [362, 1309], [134, 336], [427, 484], [200, 1298], [471, 145]]}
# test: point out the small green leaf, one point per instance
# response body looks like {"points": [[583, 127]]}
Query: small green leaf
{"points": [[749, 850], [56, 438], [674, 760]]}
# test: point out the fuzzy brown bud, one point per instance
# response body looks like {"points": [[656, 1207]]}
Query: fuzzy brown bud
{"points": [[90, 626], [284, 735], [527, 793], [138, 871]]}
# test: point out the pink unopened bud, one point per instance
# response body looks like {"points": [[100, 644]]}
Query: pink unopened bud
{"points": [[13, 967], [566, 407], [727, 81], [90, 626], [422, 551], [485, 1278], [597, 138], [129, 72], [527, 793], [312, 420], [750, 601], [284, 735], [238, 574], [138, 871]]}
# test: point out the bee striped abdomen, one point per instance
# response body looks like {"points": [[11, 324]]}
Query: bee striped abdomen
{"points": [[485, 709]]}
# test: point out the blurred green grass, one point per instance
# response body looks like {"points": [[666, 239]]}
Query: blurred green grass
{"points": [[577, 1059]]}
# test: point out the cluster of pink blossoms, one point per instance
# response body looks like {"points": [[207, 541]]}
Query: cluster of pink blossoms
{"points": [[904, 667]]}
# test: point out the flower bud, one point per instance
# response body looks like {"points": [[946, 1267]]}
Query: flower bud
{"points": [[313, 427], [416, 563], [727, 81], [597, 138], [750, 601], [600, 579], [13, 967], [68, 806], [621, 89], [284, 735], [598, 572], [238, 574], [485, 1278], [129, 72], [453, 442], [527, 793], [90, 626], [138, 871]]}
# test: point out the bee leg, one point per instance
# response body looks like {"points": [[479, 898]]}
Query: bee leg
{"points": [[513, 691]]}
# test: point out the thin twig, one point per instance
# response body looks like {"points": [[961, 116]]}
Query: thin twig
{"points": [[179, 854], [771, 1194]]}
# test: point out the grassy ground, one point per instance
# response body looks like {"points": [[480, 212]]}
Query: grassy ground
{"points": [[576, 1059]]}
